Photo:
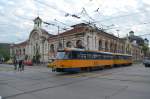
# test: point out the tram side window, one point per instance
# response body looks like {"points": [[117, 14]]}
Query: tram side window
{"points": [[89, 56], [95, 56], [128, 57], [82, 56], [105, 57], [100, 56], [116, 57], [110, 57], [67, 55], [79, 55], [74, 55], [119, 57], [63, 55], [125, 57], [92, 56]]}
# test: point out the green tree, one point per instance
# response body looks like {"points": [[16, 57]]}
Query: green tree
{"points": [[145, 49], [4, 51]]}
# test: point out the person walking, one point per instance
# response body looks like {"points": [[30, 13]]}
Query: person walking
{"points": [[20, 65], [15, 63]]}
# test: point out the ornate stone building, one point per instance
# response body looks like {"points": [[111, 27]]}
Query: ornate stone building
{"points": [[43, 46]]}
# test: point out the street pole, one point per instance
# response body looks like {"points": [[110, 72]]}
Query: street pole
{"points": [[59, 43], [118, 41]]}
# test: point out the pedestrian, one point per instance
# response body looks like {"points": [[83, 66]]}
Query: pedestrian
{"points": [[15, 64], [20, 65]]}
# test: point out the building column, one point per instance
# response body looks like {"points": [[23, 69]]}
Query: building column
{"points": [[103, 44]]}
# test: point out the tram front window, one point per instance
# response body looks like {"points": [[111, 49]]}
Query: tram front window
{"points": [[63, 55]]}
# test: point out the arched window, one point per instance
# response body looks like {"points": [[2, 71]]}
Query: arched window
{"points": [[111, 47], [20, 51], [100, 45], [24, 51], [79, 44], [115, 48], [34, 50], [106, 45], [69, 44], [16, 52], [88, 42], [52, 48], [60, 46]]}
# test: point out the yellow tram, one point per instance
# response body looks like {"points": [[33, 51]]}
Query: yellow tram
{"points": [[75, 60]]}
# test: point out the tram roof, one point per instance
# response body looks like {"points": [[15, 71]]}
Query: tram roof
{"points": [[122, 54], [83, 50]]}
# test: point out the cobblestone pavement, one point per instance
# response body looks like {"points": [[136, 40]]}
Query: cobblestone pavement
{"points": [[38, 82]]}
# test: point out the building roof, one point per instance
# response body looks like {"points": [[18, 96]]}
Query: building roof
{"points": [[69, 32], [80, 25], [21, 44], [37, 18], [74, 30], [138, 39], [43, 32], [26, 42], [83, 27]]}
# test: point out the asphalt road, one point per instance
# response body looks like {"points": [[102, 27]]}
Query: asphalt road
{"points": [[37, 82]]}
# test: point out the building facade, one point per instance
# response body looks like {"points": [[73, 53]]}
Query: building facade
{"points": [[42, 46]]}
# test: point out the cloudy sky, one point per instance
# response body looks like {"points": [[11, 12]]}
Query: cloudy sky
{"points": [[16, 16]]}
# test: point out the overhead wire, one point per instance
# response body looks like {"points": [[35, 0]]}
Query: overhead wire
{"points": [[116, 17], [54, 8]]}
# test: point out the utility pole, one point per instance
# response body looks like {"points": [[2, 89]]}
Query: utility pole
{"points": [[117, 47], [59, 43], [58, 29], [118, 32]]}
